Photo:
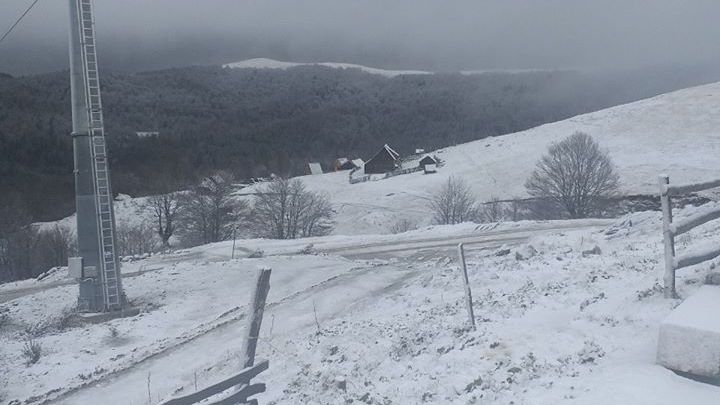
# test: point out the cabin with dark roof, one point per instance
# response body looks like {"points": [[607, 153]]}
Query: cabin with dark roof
{"points": [[386, 160], [427, 160]]}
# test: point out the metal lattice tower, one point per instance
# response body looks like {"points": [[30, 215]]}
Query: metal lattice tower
{"points": [[100, 281]]}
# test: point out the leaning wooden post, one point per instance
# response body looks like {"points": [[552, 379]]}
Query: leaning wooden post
{"points": [[668, 237], [468, 293], [257, 308]]}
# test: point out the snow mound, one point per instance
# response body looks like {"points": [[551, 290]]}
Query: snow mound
{"points": [[690, 335]]}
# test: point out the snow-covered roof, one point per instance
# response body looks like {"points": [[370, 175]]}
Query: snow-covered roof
{"points": [[315, 168], [358, 162], [391, 151]]}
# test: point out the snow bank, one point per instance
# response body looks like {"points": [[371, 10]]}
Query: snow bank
{"points": [[690, 336]]}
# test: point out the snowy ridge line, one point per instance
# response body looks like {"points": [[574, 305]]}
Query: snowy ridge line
{"points": [[266, 63], [56, 394]]}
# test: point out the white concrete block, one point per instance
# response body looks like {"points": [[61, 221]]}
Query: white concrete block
{"points": [[690, 336]]}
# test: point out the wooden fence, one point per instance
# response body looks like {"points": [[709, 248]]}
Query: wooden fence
{"points": [[240, 382], [671, 230]]}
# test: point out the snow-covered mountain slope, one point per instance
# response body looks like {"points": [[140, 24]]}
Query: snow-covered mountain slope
{"points": [[264, 63], [574, 321], [676, 133]]}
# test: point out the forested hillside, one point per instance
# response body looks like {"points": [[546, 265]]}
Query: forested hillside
{"points": [[257, 121]]}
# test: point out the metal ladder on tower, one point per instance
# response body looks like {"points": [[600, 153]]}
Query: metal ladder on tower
{"points": [[110, 270]]}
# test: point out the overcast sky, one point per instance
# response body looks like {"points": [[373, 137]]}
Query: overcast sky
{"points": [[413, 34]]}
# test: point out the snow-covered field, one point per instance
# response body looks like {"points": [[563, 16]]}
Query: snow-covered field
{"points": [[675, 133], [561, 323]]}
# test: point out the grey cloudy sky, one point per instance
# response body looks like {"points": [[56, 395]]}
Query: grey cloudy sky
{"points": [[420, 34]]}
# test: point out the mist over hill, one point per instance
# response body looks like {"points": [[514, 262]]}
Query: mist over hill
{"points": [[254, 122]]}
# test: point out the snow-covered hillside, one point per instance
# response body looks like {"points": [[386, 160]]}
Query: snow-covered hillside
{"points": [[566, 317], [264, 63], [676, 133]]}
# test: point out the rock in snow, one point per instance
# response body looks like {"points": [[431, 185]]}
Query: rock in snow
{"points": [[525, 252]]}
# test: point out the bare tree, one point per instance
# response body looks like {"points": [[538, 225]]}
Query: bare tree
{"points": [[514, 209], [16, 240], [209, 210], [53, 247], [492, 211], [285, 209], [454, 203], [136, 239], [576, 175], [166, 210]]}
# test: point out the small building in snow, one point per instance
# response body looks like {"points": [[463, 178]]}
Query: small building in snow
{"points": [[358, 163], [428, 164], [147, 134], [419, 151], [313, 168], [386, 160], [343, 164]]}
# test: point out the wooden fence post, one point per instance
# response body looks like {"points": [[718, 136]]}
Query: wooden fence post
{"points": [[257, 308], [466, 282], [668, 237]]}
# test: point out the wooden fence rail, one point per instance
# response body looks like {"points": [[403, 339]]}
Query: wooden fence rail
{"points": [[242, 378], [671, 230], [241, 381]]}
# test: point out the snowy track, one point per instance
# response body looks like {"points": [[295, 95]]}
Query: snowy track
{"points": [[176, 366]]}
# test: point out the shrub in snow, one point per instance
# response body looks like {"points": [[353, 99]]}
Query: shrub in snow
{"points": [[713, 279], [454, 203], [65, 320], [257, 254], [590, 353], [32, 351], [4, 318], [308, 250], [113, 332], [594, 251], [504, 251], [402, 225], [525, 252]]}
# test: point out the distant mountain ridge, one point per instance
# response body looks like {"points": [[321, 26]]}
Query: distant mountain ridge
{"points": [[265, 63]]}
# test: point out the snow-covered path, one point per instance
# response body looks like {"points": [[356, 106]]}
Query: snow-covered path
{"points": [[291, 315]]}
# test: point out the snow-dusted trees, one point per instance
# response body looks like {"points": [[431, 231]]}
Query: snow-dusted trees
{"points": [[135, 238], [575, 175], [285, 209], [454, 203], [166, 210], [209, 211]]}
